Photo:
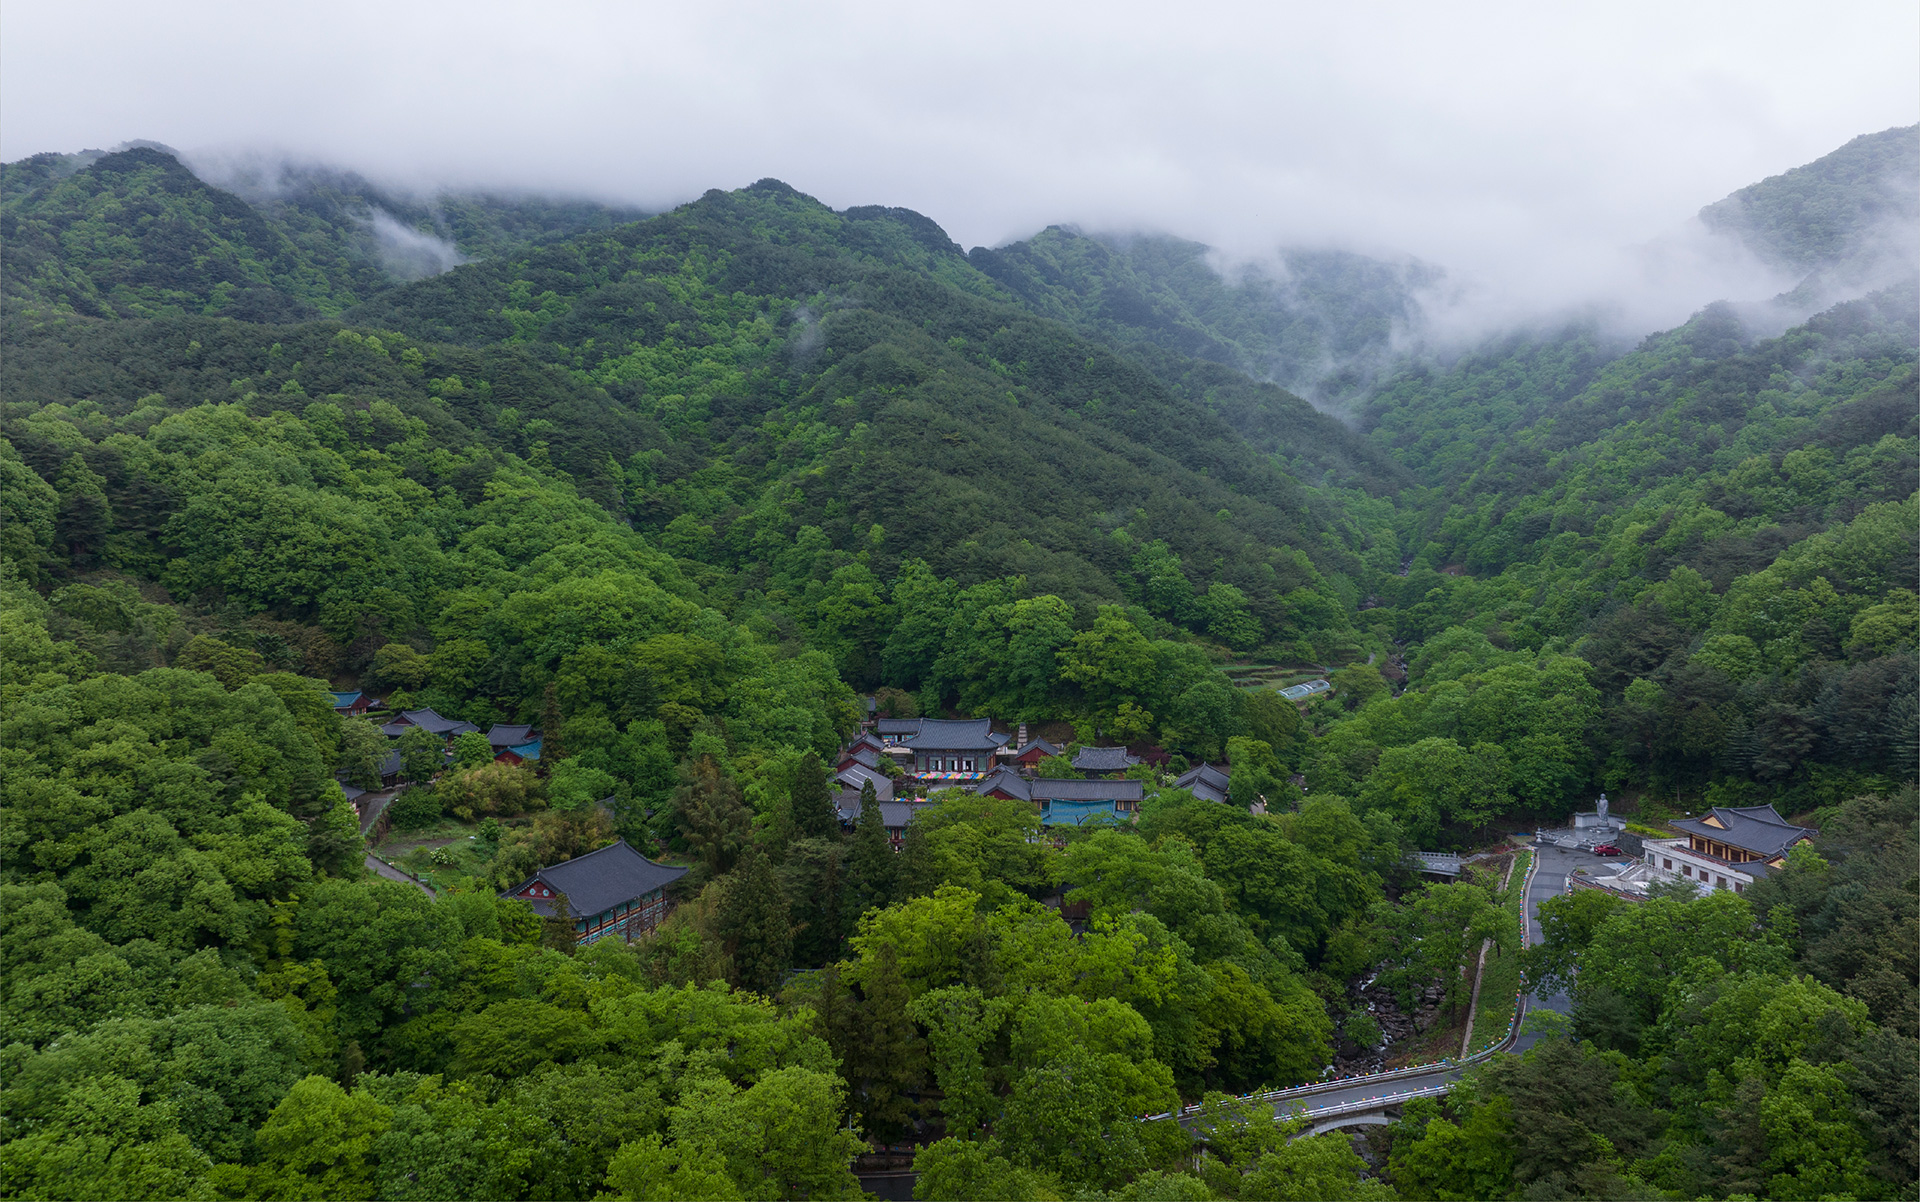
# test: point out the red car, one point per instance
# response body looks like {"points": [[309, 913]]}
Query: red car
{"points": [[1607, 849]]}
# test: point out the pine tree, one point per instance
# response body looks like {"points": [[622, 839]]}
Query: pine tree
{"points": [[814, 872], [712, 815], [552, 750], [814, 816], [871, 867], [556, 929], [835, 1015], [916, 877], [753, 921], [887, 1063]]}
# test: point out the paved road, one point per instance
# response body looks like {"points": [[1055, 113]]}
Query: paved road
{"points": [[380, 867], [1549, 880], [374, 804]]}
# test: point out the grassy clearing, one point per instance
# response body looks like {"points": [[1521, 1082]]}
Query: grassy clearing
{"points": [[445, 855], [1501, 984]]}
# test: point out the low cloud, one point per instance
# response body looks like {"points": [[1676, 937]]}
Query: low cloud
{"points": [[408, 253], [1535, 152]]}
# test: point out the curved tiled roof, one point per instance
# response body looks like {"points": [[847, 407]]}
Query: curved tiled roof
{"points": [[1758, 829], [601, 880], [1205, 782], [857, 775], [428, 720], [1012, 783], [1038, 745], [1104, 759], [972, 734]]}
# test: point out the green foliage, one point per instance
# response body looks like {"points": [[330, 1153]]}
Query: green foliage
{"points": [[674, 489], [1437, 934], [471, 750], [1828, 213], [754, 923]]}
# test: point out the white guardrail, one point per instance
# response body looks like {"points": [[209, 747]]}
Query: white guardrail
{"points": [[1445, 1065]]}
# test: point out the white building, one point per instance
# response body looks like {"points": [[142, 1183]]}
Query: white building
{"points": [[1729, 848]]}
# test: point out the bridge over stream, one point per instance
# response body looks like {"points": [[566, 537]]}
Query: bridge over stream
{"points": [[1375, 1099]]}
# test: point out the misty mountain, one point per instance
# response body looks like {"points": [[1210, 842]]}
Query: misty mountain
{"points": [[1845, 221], [1848, 224], [404, 236], [138, 233], [564, 293], [755, 371], [954, 423], [1732, 446], [675, 488], [1316, 322]]}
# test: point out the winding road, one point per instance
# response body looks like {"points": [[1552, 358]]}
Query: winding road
{"points": [[1338, 1103]]}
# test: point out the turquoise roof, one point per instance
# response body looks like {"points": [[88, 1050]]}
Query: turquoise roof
{"points": [[1077, 813], [527, 751]]}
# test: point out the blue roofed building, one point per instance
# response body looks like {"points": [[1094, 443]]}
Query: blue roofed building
{"points": [[1068, 802]]}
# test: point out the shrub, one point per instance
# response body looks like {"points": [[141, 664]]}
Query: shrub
{"points": [[415, 809]]}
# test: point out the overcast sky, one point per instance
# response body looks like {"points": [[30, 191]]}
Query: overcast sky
{"points": [[1518, 144]]}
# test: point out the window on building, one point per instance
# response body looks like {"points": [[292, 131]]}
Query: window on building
{"points": [[1720, 881], [1686, 870], [1739, 888], [1666, 864]]}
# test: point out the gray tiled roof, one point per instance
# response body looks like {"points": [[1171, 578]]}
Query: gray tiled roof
{"points": [[428, 720], [857, 775], [1087, 790], [1758, 829], [896, 726], [503, 735], [1104, 759], [974, 734], [1007, 781], [1015, 785], [893, 814], [864, 756], [601, 880], [1205, 782], [1040, 745]]}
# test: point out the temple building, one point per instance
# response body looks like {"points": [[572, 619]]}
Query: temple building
{"points": [[941, 752], [1729, 848], [1104, 761], [612, 891], [1068, 802], [446, 728], [1206, 782]]}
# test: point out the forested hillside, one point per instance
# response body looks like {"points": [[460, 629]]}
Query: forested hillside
{"points": [[1838, 220], [1234, 342], [687, 495], [135, 233]]}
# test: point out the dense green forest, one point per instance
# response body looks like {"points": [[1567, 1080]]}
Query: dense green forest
{"points": [[684, 491]]}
